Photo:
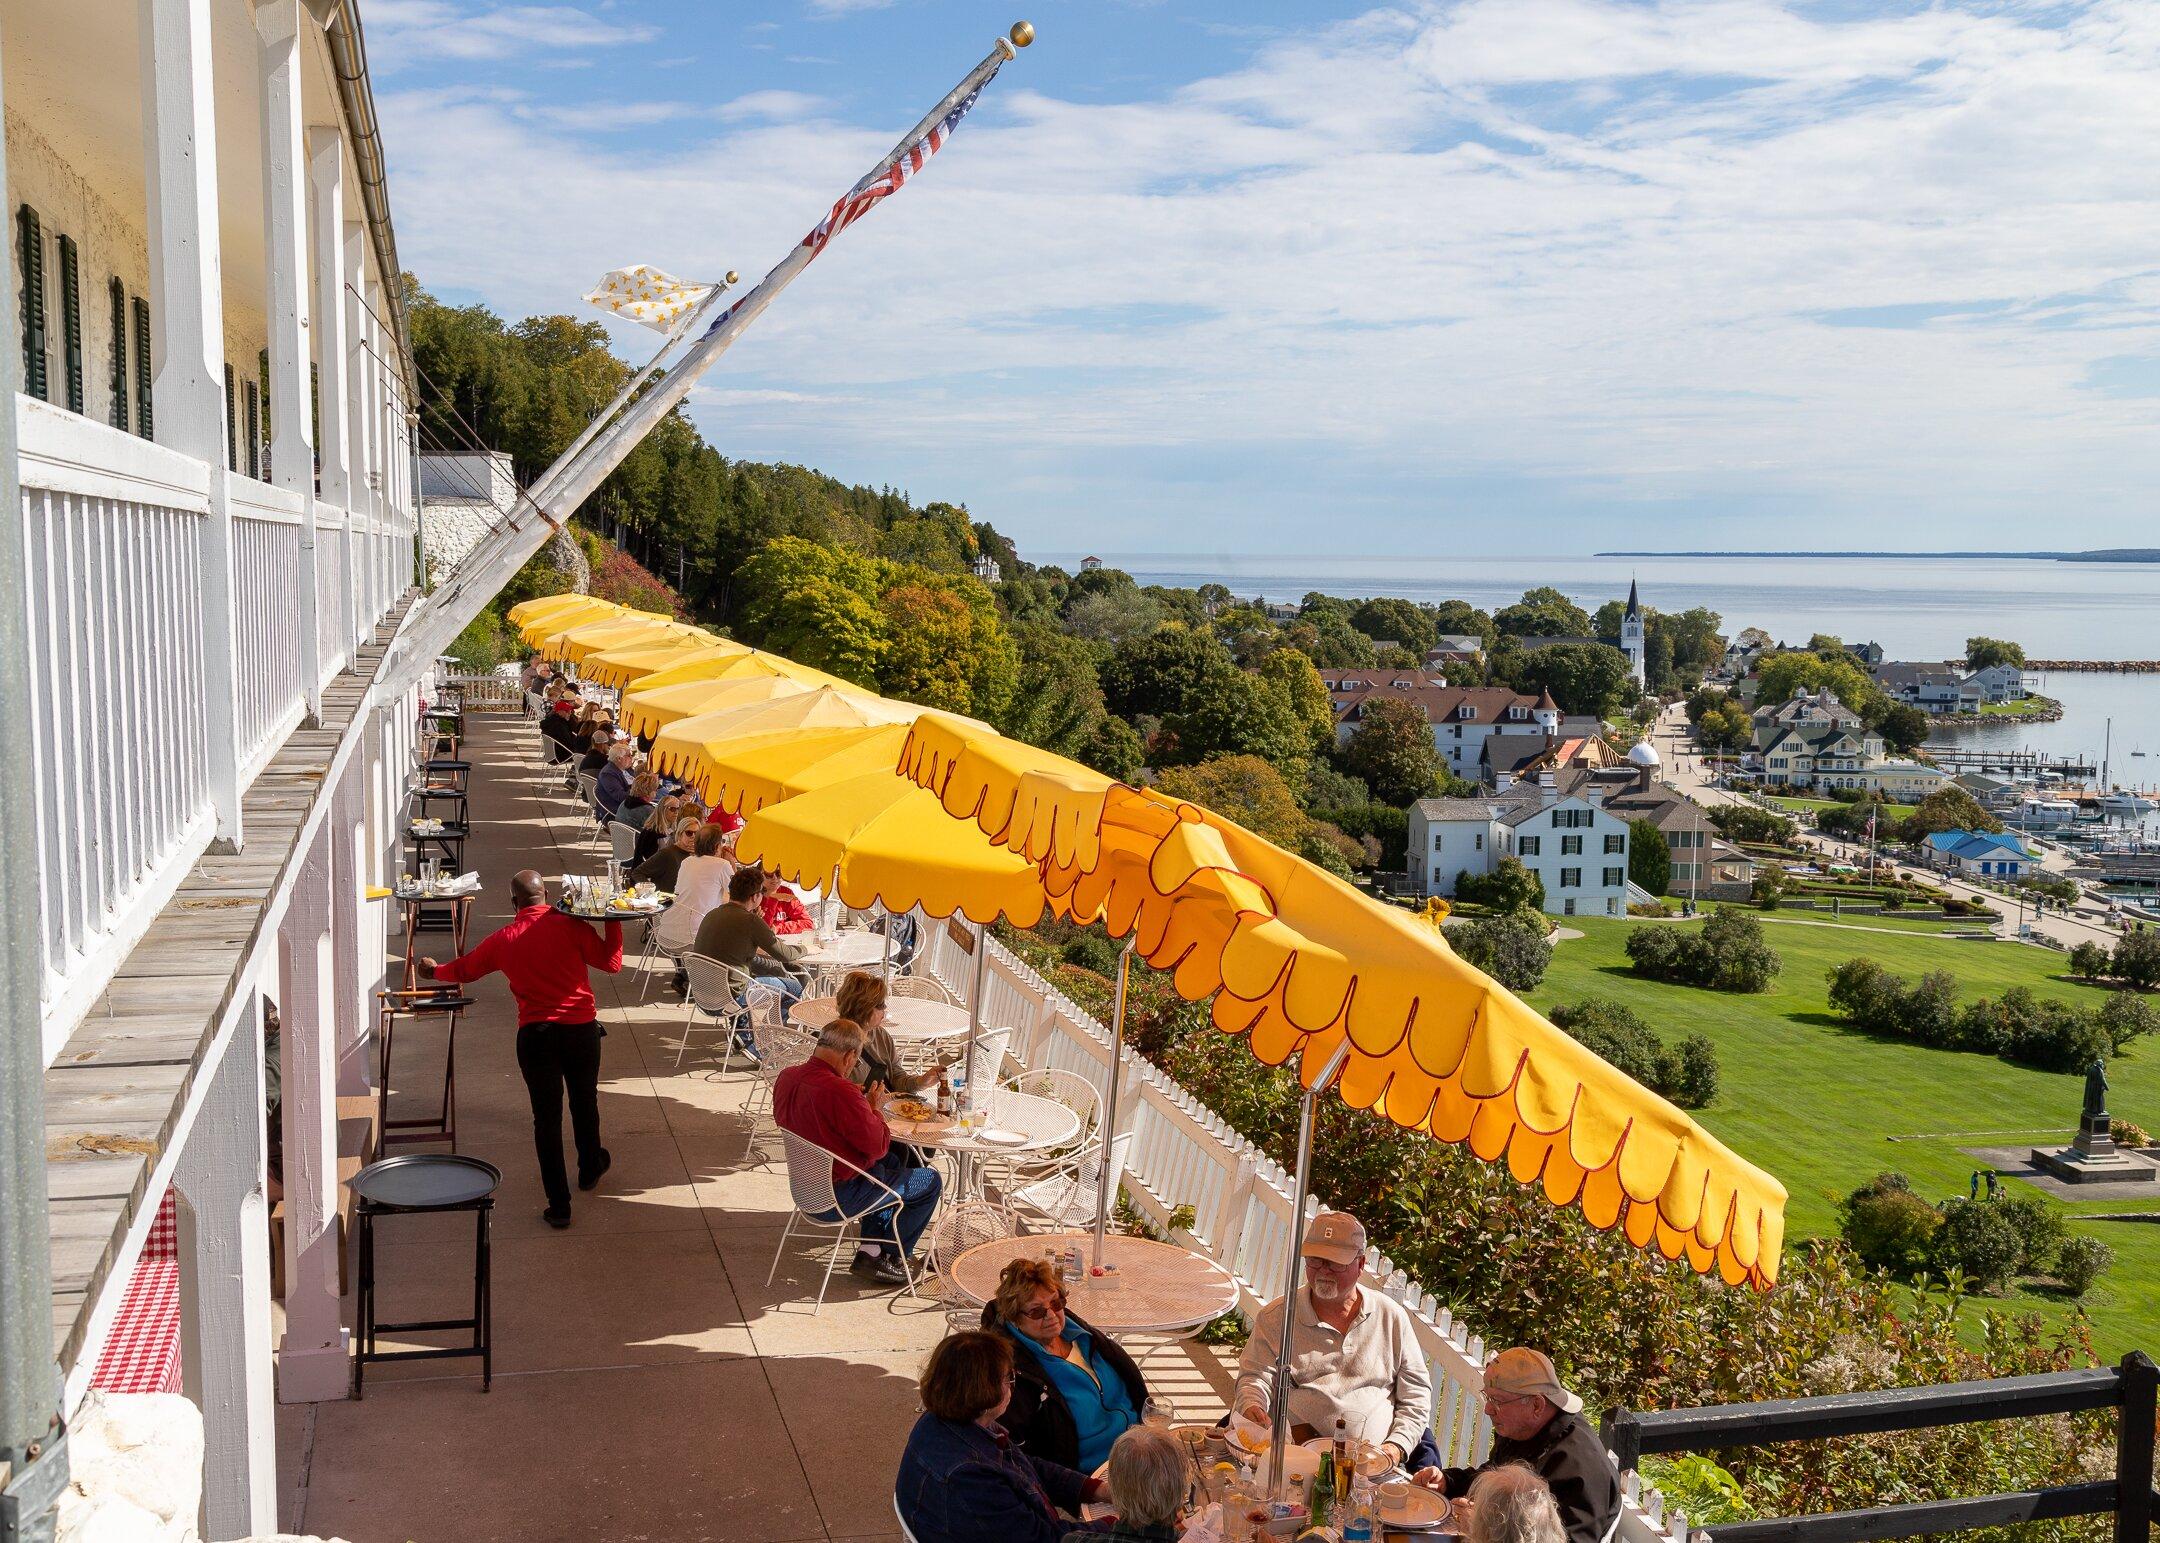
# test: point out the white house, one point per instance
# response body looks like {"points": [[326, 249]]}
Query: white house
{"points": [[1979, 854], [1570, 841], [1998, 683], [1462, 717]]}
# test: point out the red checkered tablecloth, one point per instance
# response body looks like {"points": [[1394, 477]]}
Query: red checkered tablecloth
{"points": [[142, 1351]]}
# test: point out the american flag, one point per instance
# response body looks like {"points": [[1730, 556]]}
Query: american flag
{"points": [[881, 183]]}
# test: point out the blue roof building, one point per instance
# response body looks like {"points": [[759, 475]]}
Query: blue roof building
{"points": [[1995, 855]]}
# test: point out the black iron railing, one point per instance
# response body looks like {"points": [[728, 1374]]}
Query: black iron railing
{"points": [[2128, 1389]]}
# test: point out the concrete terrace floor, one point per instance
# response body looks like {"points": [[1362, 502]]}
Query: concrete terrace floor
{"points": [[648, 1383]]}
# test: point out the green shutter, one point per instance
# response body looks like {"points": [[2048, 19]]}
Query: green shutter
{"points": [[143, 424], [254, 437], [31, 249], [118, 416], [71, 321], [232, 424]]}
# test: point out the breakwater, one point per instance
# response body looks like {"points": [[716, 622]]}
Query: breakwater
{"points": [[2095, 666]]}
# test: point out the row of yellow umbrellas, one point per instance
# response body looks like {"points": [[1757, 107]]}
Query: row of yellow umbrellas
{"points": [[915, 808]]}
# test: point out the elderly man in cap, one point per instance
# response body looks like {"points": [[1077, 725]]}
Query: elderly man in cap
{"points": [[1538, 1423], [1354, 1353]]}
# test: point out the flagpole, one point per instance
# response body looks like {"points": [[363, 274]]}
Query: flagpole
{"points": [[453, 604]]}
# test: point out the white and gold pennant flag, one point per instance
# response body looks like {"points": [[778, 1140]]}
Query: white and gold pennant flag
{"points": [[649, 297]]}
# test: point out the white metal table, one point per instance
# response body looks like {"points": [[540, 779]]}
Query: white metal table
{"points": [[1039, 1124], [1159, 1288], [909, 1020]]}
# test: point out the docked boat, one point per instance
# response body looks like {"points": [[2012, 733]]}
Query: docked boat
{"points": [[2126, 806]]}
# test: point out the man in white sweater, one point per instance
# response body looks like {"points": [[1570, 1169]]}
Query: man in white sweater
{"points": [[1353, 1354]]}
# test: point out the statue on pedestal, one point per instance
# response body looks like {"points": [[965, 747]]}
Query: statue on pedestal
{"points": [[2096, 1086]]}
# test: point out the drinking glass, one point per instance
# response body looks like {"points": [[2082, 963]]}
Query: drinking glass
{"points": [[1158, 1412]]}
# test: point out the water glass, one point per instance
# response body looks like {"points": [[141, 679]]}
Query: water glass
{"points": [[1158, 1412]]}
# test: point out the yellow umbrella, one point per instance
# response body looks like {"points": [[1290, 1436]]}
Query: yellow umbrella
{"points": [[648, 709], [621, 666], [543, 606], [1303, 964], [732, 661], [753, 770], [893, 845], [536, 628], [579, 643], [686, 748]]}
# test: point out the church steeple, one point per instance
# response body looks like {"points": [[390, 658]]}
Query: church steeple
{"points": [[1634, 605]]}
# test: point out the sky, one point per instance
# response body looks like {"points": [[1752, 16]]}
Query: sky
{"points": [[1239, 276]]}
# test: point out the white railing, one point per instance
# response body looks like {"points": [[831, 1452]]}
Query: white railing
{"points": [[266, 617], [121, 771], [1184, 1154], [334, 646]]}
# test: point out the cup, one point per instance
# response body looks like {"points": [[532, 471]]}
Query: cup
{"points": [[1395, 1497]]}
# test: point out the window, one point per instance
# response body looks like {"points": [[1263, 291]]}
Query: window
{"points": [[142, 368], [1478, 842], [1615, 877], [1569, 819], [1571, 846], [1571, 878], [1567, 907], [1526, 846], [1612, 908], [1518, 713], [30, 259], [71, 322], [1617, 844], [1436, 841], [117, 374], [1466, 711]]}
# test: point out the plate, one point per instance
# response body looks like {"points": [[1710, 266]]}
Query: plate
{"points": [[1423, 1509], [1003, 1138]]}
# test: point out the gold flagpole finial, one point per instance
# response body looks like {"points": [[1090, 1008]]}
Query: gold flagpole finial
{"points": [[1022, 34], [733, 277]]}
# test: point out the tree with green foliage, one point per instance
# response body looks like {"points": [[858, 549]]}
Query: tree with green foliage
{"points": [[1543, 612], [1243, 788], [1392, 751], [1687, 1073], [1889, 1226], [1510, 889], [1387, 619], [1511, 948], [2137, 960], [1781, 675], [2080, 1262], [1947, 808], [1056, 702], [1239, 715], [1978, 1238], [1585, 678], [1111, 615], [1459, 618], [1904, 728], [1983, 652], [1115, 749], [1306, 693], [1165, 673], [1649, 858], [818, 605], [1752, 823], [946, 647]]}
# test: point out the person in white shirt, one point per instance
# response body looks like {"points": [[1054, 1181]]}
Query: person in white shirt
{"points": [[1354, 1354], [700, 884]]}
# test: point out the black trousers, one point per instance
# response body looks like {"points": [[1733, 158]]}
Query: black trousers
{"points": [[555, 1057]]}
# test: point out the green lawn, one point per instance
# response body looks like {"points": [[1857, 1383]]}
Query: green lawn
{"points": [[1800, 805], [1824, 1108], [2026, 707]]}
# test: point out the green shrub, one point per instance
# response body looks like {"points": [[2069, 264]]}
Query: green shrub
{"points": [[1509, 887], [1091, 951], [1692, 1073], [2128, 1135], [2137, 960], [1888, 1225], [1726, 954], [2040, 1229], [1511, 949], [2018, 1026], [2126, 1017], [2081, 1261], [2089, 960], [1615, 1035], [1978, 1238]]}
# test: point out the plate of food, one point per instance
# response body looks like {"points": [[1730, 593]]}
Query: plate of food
{"points": [[1410, 1507], [913, 1110]]}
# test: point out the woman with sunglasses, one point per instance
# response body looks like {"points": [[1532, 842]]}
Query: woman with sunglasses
{"points": [[962, 1479], [1074, 1390]]}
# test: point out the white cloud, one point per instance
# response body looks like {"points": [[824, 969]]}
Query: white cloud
{"points": [[405, 30], [1602, 249], [829, 9]]}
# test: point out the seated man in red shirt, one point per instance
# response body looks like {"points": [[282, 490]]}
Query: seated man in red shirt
{"points": [[544, 955], [782, 908], [819, 1103]]}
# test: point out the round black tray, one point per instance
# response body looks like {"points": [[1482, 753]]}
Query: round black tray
{"points": [[425, 1181]]}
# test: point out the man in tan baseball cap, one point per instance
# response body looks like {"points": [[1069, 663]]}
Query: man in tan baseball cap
{"points": [[1537, 1422], [1354, 1353]]}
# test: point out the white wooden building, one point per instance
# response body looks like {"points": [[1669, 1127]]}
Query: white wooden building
{"points": [[212, 462]]}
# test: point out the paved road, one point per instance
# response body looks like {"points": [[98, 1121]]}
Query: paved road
{"points": [[1682, 769]]}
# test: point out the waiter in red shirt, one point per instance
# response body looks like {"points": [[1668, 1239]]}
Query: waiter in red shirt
{"points": [[819, 1103], [544, 955]]}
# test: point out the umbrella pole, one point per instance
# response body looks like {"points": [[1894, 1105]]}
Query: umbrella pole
{"points": [[1279, 1399], [884, 968], [1109, 1129], [975, 994]]}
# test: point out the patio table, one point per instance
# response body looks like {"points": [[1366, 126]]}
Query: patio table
{"points": [[1042, 1124], [1159, 1288], [909, 1020], [850, 950]]}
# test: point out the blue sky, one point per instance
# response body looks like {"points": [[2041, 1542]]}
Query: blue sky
{"points": [[1494, 276]]}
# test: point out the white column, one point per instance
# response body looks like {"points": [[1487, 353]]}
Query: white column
{"points": [[326, 197], [361, 422], [355, 926], [313, 1363], [224, 1227], [285, 232], [187, 307]]}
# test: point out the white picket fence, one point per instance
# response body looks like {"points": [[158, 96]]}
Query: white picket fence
{"points": [[120, 763], [1184, 1154]]}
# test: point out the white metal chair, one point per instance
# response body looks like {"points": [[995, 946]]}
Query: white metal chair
{"points": [[1067, 1198], [921, 987], [779, 1044], [658, 948], [986, 1063], [716, 990], [1075, 1091], [623, 839], [961, 1225], [810, 1186], [907, 1534]]}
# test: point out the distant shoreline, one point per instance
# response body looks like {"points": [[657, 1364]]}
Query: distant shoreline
{"points": [[2107, 555]]}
